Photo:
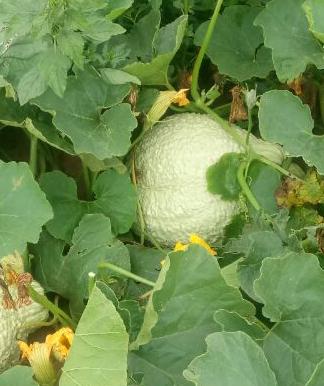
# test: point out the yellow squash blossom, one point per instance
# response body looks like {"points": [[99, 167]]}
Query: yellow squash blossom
{"points": [[46, 358], [194, 239]]}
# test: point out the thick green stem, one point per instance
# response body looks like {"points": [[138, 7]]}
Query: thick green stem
{"points": [[195, 80], [195, 74], [33, 154], [186, 7], [126, 273], [56, 311], [245, 187]]}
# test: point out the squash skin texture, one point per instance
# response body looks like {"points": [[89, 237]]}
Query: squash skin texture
{"points": [[9, 352], [15, 324], [170, 166]]}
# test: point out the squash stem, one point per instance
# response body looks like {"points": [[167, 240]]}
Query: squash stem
{"points": [[126, 273], [245, 187], [195, 73]]}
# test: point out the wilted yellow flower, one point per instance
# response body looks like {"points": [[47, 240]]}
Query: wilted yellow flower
{"points": [[163, 102], [180, 98], [41, 355], [194, 239]]}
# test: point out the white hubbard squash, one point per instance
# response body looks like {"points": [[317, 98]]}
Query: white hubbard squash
{"points": [[17, 323], [170, 166]]}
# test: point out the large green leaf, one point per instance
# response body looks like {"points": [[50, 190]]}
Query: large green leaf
{"points": [[286, 120], [18, 376], [232, 358], [115, 197], [291, 287], [99, 350], [286, 32], [21, 17], [32, 74], [256, 246], [35, 121], [237, 45], [166, 43], [189, 290], [23, 208], [91, 115], [66, 273], [58, 32], [315, 14]]}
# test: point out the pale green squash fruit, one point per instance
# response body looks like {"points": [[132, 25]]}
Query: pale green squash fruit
{"points": [[170, 166], [16, 324]]}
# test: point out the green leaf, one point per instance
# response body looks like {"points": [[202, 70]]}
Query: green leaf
{"points": [[180, 315], [99, 350], [23, 208], [282, 21], [255, 246], [33, 75], [222, 177], [18, 376], [286, 120], [20, 17], [314, 10], [61, 192], [96, 27], [232, 322], [96, 165], [66, 273], [114, 197], [117, 7], [71, 44], [232, 358], [114, 76], [35, 121], [166, 44], [264, 181], [89, 114], [141, 37], [291, 287], [237, 45]]}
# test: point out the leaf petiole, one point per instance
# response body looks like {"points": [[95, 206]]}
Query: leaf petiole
{"points": [[245, 187], [55, 310], [126, 273]]}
